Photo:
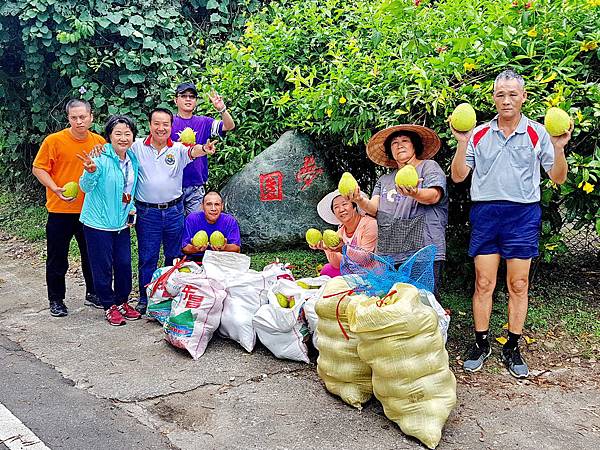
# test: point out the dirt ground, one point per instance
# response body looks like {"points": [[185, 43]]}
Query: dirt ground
{"points": [[230, 399]]}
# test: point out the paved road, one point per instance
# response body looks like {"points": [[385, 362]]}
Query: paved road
{"points": [[103, 381], [61, 415]]}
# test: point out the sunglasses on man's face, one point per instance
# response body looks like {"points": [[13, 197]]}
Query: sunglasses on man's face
{"points": [[187, 96]]}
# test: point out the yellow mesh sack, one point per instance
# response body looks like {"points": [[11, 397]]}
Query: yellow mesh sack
{"points": [[400, 340], [338, 365]]}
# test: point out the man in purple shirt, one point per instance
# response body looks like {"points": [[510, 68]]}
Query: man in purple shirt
{"points": [[195, 174], [210, 219]]}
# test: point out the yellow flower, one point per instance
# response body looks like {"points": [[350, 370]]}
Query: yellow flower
{"points": [[343, 100], [468, 66], [588, 46], [588, 188], [579, 116], [532, 33], [328, 111]]}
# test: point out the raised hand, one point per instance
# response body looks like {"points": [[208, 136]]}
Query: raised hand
{"points": [[562, 140], [461, 136], [216, 100], [210, 148], [88, 163], [96, 151]]}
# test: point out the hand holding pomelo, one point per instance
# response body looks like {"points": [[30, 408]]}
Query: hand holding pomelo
{"points": [[71, 189], [313, 236], [217, 239], [331, 239], [347, 184], [200, 239], [463, 118], [557, 122], [407, 176]]}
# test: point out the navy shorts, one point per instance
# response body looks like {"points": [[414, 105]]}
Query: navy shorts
{"points": [[509, 229]]}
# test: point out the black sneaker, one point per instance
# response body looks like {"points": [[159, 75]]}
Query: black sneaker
{"points": [[477, 356], [141, 307], [514, 363], [58, 309], [93, 300]]}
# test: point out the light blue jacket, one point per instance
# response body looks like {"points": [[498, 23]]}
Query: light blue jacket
{"points": [[103, 206]]}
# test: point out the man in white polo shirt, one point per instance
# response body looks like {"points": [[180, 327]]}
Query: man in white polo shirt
{"points": [[159, 195], [505, 156]]}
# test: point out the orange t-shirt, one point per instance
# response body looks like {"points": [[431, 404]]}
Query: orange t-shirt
{"points": [[57, 157]]}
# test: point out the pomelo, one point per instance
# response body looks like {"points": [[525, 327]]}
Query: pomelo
{"points": [[200, 239], [313, 236], [557, 121], [282, 300], [407, 176], [71, 189], [331, 239], [347, 184], [187, 136], [217, 239], [463, 118]]}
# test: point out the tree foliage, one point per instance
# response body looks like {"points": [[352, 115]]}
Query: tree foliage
{"points": [[338, 70]]}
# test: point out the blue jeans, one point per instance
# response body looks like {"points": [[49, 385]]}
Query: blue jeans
{"points": [[155, 227], [110, 257], [192, 198]]}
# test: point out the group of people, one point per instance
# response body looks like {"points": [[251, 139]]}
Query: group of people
{"points": [[503, 157], [152, 183], [158, 184]]}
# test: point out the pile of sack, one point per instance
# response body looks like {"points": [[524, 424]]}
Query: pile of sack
{"points": [[392, 346], [225, 295]]}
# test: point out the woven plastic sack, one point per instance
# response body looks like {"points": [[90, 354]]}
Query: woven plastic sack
{"points": [[313, 293], [427, 298], [283, 330], [165, 284], [338, 365], [247, 292], [400, 340], [195, 315]]}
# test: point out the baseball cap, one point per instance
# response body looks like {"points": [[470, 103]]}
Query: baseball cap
{"points": [[186, 87]]}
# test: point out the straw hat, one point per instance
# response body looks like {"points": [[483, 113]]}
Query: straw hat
{"points": [[324, 207], [376, 150]]}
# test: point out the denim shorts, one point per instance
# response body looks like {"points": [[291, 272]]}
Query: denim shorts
{"points": [[509, 229]]}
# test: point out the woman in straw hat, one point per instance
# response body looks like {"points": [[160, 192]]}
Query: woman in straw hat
{"points": [[408, 218], [354, 228]]}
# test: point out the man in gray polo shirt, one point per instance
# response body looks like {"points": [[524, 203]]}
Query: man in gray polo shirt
{"points": [[159, 195], [505, 156]]}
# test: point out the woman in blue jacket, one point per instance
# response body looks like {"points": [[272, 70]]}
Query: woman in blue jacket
{"points": [[108, 212]]}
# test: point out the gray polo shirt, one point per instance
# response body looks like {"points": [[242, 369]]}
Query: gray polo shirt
{"points": [[508, 168], [161, 171]]}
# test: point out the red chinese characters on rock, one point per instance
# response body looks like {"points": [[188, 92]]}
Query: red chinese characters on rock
{"points": [[271, 186], [191, 296], [308, 173]]}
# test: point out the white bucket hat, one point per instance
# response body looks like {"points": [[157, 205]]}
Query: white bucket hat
{"points": [[326, 212]]}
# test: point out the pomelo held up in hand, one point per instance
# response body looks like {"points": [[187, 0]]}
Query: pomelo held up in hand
{"points": [[71, 190], [347, 184], [407, 176], [313, 236], [331, 239], [557, 121], [463, 118], [187, 136], [217, 239], [200, 239]]}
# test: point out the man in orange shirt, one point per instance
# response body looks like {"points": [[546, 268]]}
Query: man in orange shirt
{"points": [[55, 165]]}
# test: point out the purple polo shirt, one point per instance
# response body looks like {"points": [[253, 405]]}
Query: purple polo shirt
{"points": [[226, 224], [196, 173]]}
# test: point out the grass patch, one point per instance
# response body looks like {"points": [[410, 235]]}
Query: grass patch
{"points": [[19, 217]]}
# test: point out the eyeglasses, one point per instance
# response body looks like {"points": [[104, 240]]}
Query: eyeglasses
{"points": [[187, 96]]}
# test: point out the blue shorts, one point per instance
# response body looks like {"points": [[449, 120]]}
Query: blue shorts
{"points": [[509, 229]]}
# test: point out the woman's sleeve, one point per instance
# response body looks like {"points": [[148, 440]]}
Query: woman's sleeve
{"points": [[434, 176], [88, 181], [368, 239]]}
